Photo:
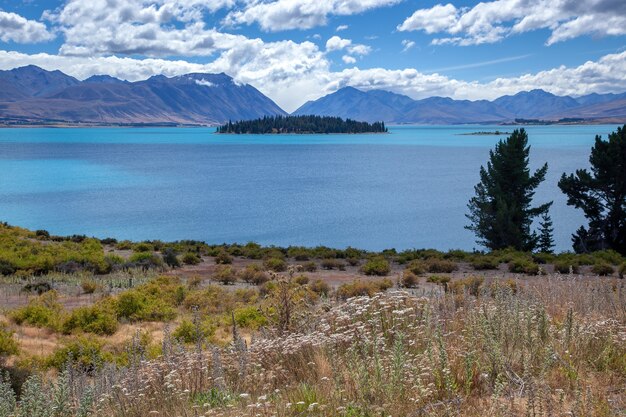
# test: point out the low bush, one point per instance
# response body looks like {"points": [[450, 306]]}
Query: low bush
{"points": [[250, 317], [253, 274], [275, 264], [223, 258], [224, 274], [7, 267], [408, 279], [301, 280], [602, 268], [439, 266], [8, 345], [93, 319], [416, 266], [622, 270], [298, 253], [143, 247], [331, 263], [566, 266], [188, 332], [89, 286], [320, 287], [124, 245], [191, 258], [38, 287], [607, 256], [353, 261], [154, 301], [376, 266], [85, 352], [309, 266], [471, 284], [171, 258], [523, 266], [145, 261], [44, 311], [362, 288], [509, 285], [484, 263]]}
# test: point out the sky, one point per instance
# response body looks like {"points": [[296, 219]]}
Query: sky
{"points": [[299, 50]]}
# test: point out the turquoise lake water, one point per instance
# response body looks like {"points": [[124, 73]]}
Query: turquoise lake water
{"points": [[406, 189]]}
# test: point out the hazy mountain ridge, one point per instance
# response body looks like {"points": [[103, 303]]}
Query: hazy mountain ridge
{"points": [[390, 107], [31, 94]]}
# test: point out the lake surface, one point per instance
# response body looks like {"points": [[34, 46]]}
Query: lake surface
{"points": [[407, 189]]}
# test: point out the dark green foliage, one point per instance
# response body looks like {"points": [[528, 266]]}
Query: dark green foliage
{"points": [[376, 266], [301, 124], [436, 266], [170, 258], [500, 213], [622, 270], [566, 265], [601, 194], [275, 264], [93, 319], [546, 234], [483, 263], [191, 258], [223, 258], [8, 345], [523, 266], [602, 268]]}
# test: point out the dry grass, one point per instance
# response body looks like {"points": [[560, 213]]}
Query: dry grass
{"points": [[554, 347]]}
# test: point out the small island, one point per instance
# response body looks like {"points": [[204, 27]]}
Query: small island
{"points": [[301, 125]]}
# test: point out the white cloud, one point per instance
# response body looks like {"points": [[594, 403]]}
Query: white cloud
{"points": [[407, 44], [15, 28], [348, 59], [337, 44], [341, 27], [205, 83], [285, 68], [490, 22], [280, 15]]}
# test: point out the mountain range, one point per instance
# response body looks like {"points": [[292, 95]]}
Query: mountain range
{"points": [[32, 95], [374, 105]]}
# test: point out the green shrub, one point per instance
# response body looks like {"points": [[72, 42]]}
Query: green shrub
{"points": [[191, 258], [170, 258], [143, 247], [309, 266], [333, 264], [376, 266], [224, 274], [301, 280], [320, 287], [439, 266], [602, 268], [408, 279], [253, 274], [223, 258], [565, 266], [43, 311], [298, 253], [362, 288], [8, 345], [608, 256], [85, 352], [188, 332], [154, 301], [416, 266], [7, 267], [250, 317], [93, 319], [622, 270], [275, 264], [353, 261], [471, 284], [442, 280], [523, 266], [483, 263], [89, 286], [145, 260], [124, 245]]}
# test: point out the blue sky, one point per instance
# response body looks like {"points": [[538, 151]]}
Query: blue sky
{"points": [[297, 50]]}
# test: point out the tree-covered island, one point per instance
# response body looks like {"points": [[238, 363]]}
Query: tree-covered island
{"points": [[301, 125]]}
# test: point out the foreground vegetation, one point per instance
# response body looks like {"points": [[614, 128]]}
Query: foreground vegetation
{"points": [[186, 329], [301, 124]]}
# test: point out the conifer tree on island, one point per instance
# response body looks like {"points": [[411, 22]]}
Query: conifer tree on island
{"points": [[601, 194], [501, 215]]}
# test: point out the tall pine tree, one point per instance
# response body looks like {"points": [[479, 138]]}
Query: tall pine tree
{"points": [[546, 234], [501, 215], [601, 194]]}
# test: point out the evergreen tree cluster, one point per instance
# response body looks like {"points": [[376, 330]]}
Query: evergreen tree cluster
{"points": [[501, 213], [301, 124]]}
